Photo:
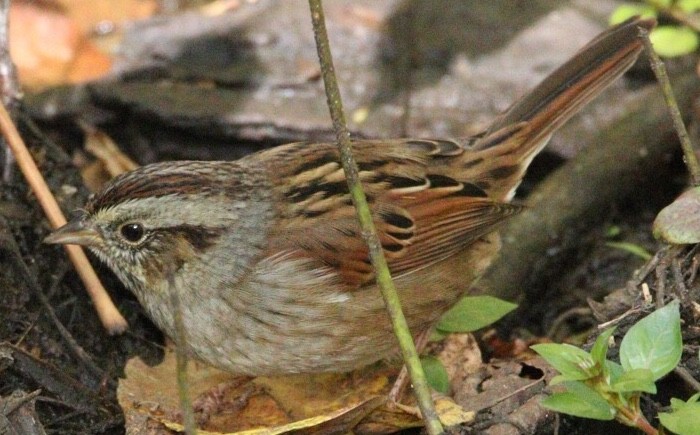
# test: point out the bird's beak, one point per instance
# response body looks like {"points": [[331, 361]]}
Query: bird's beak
{"points": [[75, 233]]}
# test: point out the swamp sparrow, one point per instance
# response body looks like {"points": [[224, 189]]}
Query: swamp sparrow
{"points": [[265, 253]]}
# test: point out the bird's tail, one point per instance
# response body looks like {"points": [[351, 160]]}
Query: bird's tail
{"points": [[521, 132]]}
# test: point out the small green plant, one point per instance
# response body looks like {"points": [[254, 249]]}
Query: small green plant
{"points": [[474, 312], [668, 40], [684, 418], [436, 374], [601, 389], [469, 314], [631, 248]]}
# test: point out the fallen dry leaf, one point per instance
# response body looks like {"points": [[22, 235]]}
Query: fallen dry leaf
{"points": [[89, 14], [326, 403], [111, 161], [461, 356], [49, 48]]}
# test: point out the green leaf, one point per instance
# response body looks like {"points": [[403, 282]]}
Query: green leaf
{"points": [[684, 418], [628, 10], [631, 248], [677, 404], [580, 401], [613, 370], [558, 379], [436, 335], [600, 347], [673, 41], [573, 363], [634, 381], [679, 222], [688, 6], [654, 342], [474, 312], [435, 374], [613, 231], [600, 350], [694, 398]]}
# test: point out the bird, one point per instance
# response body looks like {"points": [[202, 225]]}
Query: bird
{"points": [[266, 257]]}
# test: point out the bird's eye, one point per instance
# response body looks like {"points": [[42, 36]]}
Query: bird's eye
{"points": [[132, 232]]}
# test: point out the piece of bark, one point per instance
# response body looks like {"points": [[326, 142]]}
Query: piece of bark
{"points": [[192, 86]]}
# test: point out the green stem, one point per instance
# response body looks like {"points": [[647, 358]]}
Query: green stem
{"points": [[629, 418], [628, 410], [384, 281], [659, 69], [180, 337]]}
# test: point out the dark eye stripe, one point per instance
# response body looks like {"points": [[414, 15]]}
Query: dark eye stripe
{"points": [[199, 237]]}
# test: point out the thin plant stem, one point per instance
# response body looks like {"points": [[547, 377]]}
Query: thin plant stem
{"points": [[384, 281], [659, 69], [183, 385], [635, 419]]}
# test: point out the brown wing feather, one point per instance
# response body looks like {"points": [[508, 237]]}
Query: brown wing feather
{"points": [[421, 216], [462, 221], [430, 199]]}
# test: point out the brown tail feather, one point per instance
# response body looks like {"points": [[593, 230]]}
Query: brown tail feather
{"points": [[524, 129]]}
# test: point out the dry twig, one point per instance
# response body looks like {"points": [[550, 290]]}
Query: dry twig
{"points": [[112, 320]]}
